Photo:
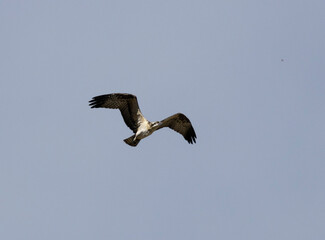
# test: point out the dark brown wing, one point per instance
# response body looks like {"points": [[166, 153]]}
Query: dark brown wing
{"points": [[181, 124], [126, 103]]}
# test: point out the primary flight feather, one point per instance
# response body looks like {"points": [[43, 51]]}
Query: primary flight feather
{"points": [[133, 118]]}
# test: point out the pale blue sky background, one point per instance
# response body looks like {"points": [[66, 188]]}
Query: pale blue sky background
{"points": [[257, 170]]}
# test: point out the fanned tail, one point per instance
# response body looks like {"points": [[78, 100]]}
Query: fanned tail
{"points": [[131, 142]]}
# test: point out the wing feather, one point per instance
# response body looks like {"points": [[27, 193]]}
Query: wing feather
{"points": [[181, 124], [126, 103]]}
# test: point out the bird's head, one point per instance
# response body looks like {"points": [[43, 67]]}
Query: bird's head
{"points": [[155, 124]]}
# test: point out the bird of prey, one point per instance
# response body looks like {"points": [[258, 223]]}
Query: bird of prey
{"points": [[133, 118]]}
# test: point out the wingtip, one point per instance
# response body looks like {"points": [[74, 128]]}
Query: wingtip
{"points": [[191, 136], [95, 102]]}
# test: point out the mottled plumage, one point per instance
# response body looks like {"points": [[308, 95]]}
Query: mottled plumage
{"points": [[133, 118]]}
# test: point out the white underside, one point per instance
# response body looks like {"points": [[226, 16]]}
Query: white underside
{"points": [[144, 130]]}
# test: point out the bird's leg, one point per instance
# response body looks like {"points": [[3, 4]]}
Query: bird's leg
{"points": [[138, 133]]}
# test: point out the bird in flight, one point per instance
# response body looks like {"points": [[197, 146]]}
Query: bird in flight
{"points": [[133, 118]]}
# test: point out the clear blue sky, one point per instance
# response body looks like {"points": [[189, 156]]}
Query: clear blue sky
{"points": [[249, 74]]}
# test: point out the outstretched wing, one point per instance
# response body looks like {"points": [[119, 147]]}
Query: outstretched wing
{"points": [[181, 124], [126, 103]]}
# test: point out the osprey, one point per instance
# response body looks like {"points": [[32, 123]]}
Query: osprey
{"points": [[133, 118]]}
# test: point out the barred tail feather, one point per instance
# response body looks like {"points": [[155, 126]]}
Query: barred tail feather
{"points": [[131, 142]]}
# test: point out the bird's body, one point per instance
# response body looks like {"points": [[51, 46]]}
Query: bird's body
{"points": [[145, 129], [133, 118]]}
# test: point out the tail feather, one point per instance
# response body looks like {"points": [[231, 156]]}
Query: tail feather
{"points": [[131, 142]]}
